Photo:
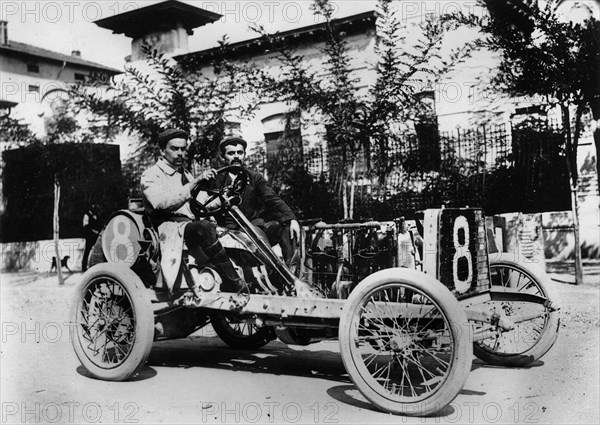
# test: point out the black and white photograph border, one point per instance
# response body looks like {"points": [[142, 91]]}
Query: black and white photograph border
{"points": [[86, 87]]}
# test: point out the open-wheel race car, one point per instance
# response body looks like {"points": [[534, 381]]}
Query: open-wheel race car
{"points": [[410, 307]]}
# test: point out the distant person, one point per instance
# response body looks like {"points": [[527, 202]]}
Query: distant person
{"points": [[92, 225]]}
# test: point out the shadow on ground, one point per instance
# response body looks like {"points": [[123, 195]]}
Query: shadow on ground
{"points": [[274, 358]]}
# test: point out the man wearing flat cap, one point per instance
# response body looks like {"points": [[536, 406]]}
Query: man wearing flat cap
{"points": [[166, 192], [258, 198]]}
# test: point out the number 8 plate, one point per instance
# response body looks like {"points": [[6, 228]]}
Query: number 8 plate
{"points": [[462, 257]]}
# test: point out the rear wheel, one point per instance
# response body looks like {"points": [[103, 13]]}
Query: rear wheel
{"points": [[112, 322], [405, 342], [530, 339], [240, 333]]}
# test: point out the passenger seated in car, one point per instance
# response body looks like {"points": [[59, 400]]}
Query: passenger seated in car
{"points": [[167, 189]]}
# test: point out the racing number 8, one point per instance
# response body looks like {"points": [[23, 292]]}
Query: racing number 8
{"points": [[461, 251], [121, 248]]}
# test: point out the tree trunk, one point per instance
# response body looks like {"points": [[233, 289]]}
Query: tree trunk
{"points": [[596, 117], [594, 103], [571, 157], [575, 212], [56, 232], [345, 198], [352, 188], [597, 143], [343, 183]]}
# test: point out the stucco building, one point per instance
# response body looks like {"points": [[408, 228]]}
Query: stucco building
{"points": [[35, 80]]}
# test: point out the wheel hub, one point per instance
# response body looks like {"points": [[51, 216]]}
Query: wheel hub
{"points": [[400, 342]]}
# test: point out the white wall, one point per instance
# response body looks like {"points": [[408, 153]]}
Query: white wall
{"points": [[37, 255], [252, 129]]}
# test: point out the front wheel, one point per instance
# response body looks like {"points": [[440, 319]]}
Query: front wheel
{"points": [[112, 323], [405, 342], [530, 339]]}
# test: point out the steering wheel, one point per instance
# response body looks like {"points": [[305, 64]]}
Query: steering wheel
{"points": [[226, 194]]}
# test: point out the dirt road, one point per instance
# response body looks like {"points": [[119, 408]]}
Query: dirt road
{"points": [[200, 380]]}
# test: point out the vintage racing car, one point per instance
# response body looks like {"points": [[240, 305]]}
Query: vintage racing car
{"points": [[410, 307]]}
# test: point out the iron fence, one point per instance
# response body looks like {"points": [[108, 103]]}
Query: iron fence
{"points": [[499, 168]]}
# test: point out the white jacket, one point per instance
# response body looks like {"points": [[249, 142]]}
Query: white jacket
{"points": [[163, 192]]}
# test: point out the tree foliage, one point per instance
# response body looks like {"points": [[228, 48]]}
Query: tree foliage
{"points": [[158, 95], [14, 133], [64, 125], [88, 173], [545, 56], [360, 119]]}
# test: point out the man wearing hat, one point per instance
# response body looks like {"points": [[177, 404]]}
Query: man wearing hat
{"points": [[166, 192], [258, 198]]}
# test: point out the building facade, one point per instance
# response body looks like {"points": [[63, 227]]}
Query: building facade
{"points": [[35, 81], [272, 121]]}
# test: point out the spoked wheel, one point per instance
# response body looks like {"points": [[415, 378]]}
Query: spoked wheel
{"points": [[239, 333], [112, 322], [405, 342], [536, 321]]}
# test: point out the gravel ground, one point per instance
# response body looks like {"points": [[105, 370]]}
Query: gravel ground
{"points": [[185, 378]]}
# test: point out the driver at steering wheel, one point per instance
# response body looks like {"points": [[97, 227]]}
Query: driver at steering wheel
{"points": [[166, 192], [258, 198]]}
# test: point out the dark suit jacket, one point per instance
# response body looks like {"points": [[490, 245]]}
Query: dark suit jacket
{"points": [[258, 199]]}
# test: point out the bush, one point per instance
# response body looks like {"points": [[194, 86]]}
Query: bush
{"points": [[87, 173]]}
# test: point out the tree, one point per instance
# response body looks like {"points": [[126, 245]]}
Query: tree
{"points": [[541, 55], [160, 94], [14, 133], [357, 119], [64, 171]]}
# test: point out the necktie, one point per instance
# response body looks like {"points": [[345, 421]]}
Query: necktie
{"points": [[184, 179]]}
